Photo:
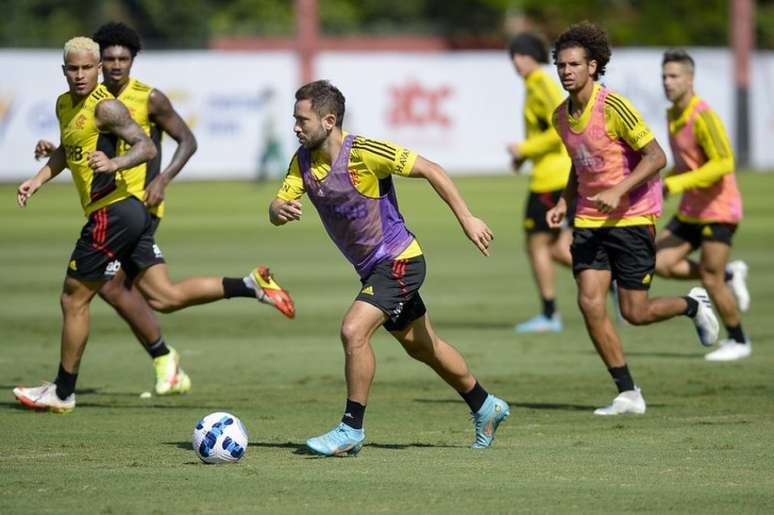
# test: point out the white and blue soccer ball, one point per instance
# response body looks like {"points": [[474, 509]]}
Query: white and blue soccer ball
{"points": [[220, 437]]}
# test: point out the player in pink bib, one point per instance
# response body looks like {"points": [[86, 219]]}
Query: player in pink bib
{"points": [[710, 208], [614, 179]]}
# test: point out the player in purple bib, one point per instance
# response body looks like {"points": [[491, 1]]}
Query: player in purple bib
{"points": [[349, 180]]}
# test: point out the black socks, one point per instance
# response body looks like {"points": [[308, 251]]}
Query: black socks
{"points": [[475, 397], [236, 287], [736, 333], [65, 383], [158, 349], [693, 307], [549, 307], [353, 414], [622, 377]]}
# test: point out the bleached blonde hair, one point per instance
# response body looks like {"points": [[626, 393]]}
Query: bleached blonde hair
{"points": [[81, 43]]}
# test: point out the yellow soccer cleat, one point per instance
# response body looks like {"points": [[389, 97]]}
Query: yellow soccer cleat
{"points": [[170, 378], [269, 292]]}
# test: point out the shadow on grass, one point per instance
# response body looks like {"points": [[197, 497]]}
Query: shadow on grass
{"points": [[668, 355], [527, 405]]}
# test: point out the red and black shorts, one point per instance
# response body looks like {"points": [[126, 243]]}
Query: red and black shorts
{"points": [[116, 236], [628, 252], [537, 206], [393, 287], [696, 234]]}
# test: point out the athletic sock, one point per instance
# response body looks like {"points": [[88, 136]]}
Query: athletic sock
{"points": [[236, 287], [693, 307], [475, 397], [728, 276], [622, 377], [353, 414], [65, 383], [549, 307], [736, 333], [158, 349]]}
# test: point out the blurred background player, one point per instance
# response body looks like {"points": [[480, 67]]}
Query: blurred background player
{"points": [[710, 208], [550, 168], [614, 178], [119, 230], [349, 180]]}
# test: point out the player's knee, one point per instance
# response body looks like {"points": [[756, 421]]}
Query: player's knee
{"points": [[710, 278], [72, 303], [168, 303], [663, 268], [352, 336], [592, 306], [635, 315]]}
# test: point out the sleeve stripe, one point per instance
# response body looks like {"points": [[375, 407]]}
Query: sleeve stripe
{"points": [[622, 110], [383, 146], [374, 151], [712, 127], [625, 107], [623, 116]]}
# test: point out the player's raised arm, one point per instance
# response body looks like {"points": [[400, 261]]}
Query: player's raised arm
{"points": [[475, 229], [55, 164], [169, 121], [112, 116]]}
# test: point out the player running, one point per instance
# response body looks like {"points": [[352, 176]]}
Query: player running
{"points": [[348, 178], [614, 178], [710, 208]]}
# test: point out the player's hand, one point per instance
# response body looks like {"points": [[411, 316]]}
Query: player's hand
{"points": [[289, 211], [478, 232], [517, 160], [101, 163], [555, 216], [606, 201], [26, 190], [154, 192], [43, 148]]}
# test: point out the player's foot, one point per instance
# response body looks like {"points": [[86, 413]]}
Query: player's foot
{"points": [[44, 398], [629, 402], [486, 420], [341, 441], [269, 292], [730, 350], [540, 324], [170, 378], [738, 284], [707, 326]]}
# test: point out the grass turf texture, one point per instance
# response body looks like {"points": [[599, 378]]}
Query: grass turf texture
{"points": [[705, 444]]}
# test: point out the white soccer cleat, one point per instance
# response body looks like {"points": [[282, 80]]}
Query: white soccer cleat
{"points": [[629, 402], [707, 326], [44, 398], [730, 350], [738, 284]]}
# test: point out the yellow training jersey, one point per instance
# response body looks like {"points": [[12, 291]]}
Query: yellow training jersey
{"points": [[135, 97], [371, 165], [550, 162], [622, 121], [79, 137]]}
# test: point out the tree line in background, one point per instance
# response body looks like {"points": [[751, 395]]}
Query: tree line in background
{"points": [[465, 23]]}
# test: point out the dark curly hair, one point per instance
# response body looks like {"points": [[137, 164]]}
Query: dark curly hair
{"points": [[118, 34], [589, 37], [325, 97]]}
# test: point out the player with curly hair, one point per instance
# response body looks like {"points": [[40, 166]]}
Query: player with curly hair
{"points": [[615, 183]]}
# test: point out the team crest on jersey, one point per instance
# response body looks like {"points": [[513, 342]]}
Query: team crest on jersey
{"points": [[80, 122], [112, 268], [586, 160], [157, 251]]}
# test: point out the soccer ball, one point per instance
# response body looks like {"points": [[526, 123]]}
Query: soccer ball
{"points": [[220, 438]]}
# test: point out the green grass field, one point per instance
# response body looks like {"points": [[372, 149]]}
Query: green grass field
{"points": [[706, 444]]}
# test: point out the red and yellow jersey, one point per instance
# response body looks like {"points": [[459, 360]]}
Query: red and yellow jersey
{"points": [[79, 137], [135, 97], [604, 143], [550, 162], [371, 166], [704, 166]]}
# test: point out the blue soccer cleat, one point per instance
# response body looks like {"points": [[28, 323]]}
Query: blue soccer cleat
{"points": [[540, 324], [341, 441], [486, 420]]}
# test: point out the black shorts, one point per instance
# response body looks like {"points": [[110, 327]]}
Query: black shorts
{"points": [[117, 235], [393, 287], [696, 234], [628, 252], [538, 205]]}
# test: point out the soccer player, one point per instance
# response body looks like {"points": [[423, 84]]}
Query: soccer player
{"points": [[152, 110], [614, 178], [550, 167], [710, 209], [119, 230], [348, 178]]}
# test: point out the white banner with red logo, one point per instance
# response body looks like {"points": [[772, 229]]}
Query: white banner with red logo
{"points": [[459, 109]]}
